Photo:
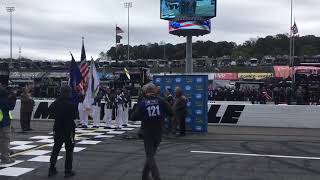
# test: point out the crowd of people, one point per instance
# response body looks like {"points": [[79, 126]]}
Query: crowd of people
{"points": [[281, 94]]}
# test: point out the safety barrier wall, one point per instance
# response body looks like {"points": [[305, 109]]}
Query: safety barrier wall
{"points": [[239, 114], [229, 113]]}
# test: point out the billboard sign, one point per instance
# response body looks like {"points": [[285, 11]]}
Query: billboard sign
{"points": [[187, 9], [256, 76], [226, 76]]}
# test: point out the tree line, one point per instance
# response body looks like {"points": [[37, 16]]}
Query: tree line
{"points": [[308, 45]]}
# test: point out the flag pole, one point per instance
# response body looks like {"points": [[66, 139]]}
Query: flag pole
{"points": [[291, 47], [117, 58]]}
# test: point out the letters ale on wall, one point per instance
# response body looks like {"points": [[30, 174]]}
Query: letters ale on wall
{"points": [[230, 116]]}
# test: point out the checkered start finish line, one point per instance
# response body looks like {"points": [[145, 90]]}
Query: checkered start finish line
{"points": [[38, 148]]}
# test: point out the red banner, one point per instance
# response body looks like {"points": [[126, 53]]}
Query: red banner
{"points": [[285, 71], [282, 71], [226, 76]]}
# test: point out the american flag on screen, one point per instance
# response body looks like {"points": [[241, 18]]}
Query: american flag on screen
{"points": [[204, 25]]}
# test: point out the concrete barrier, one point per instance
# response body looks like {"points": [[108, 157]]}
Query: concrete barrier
{"points": [[229, 113], [264, 115]]}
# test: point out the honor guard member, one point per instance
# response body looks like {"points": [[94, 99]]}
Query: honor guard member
{"points": [[152, 110], [82, 114], [125, 116], [64, 112], [119, 110], [96, 111], [7, 103], [110, 104]]}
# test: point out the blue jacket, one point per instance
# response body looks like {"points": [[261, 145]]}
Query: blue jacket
{"points": [[6, 105]]}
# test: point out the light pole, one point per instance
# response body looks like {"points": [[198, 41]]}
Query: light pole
{"points": [[164, 49], [128, 5], [10, 10]]}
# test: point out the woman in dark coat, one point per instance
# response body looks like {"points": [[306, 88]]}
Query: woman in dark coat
{"points": [[27, 104]]}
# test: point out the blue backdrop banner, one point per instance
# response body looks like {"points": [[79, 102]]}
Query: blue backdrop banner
{"points": [[195, 88]]}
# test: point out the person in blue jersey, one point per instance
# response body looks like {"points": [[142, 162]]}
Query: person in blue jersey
{"points": [[152, 110]]}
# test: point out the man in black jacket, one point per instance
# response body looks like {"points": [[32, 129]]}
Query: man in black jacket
{"points": [[64, 113], [152, 110]]}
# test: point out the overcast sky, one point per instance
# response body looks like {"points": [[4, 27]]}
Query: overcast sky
{"points": [[48, 29]]}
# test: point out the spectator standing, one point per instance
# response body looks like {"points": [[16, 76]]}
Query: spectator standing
{"points": [[180, 111], [276, 95], [7, 103], [282, 95], [300, 96], [170, 100], [64, 112], [288, 95], [27, 104], [253, 96], [210, 95]]}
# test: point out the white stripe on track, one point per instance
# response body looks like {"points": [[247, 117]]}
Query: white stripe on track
{"points": [[257, 155]]}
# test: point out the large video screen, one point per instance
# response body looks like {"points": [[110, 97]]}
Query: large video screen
{"points": [[173, 9]]}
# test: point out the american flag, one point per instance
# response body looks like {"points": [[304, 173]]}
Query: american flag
{"points": [[84, 69], [295, 29], [119, 30]]}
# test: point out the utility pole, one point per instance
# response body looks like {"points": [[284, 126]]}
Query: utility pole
{"points": [[189, 63], [128, 5], [20, 56], [11, 10]]}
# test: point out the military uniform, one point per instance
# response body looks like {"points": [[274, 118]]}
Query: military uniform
{"points": [[83, 115], [119, 110], [110, 104], [125, 116], [96, 112]]}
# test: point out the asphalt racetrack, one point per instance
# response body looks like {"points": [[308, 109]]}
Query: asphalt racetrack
{"points": [[225, 153]]}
